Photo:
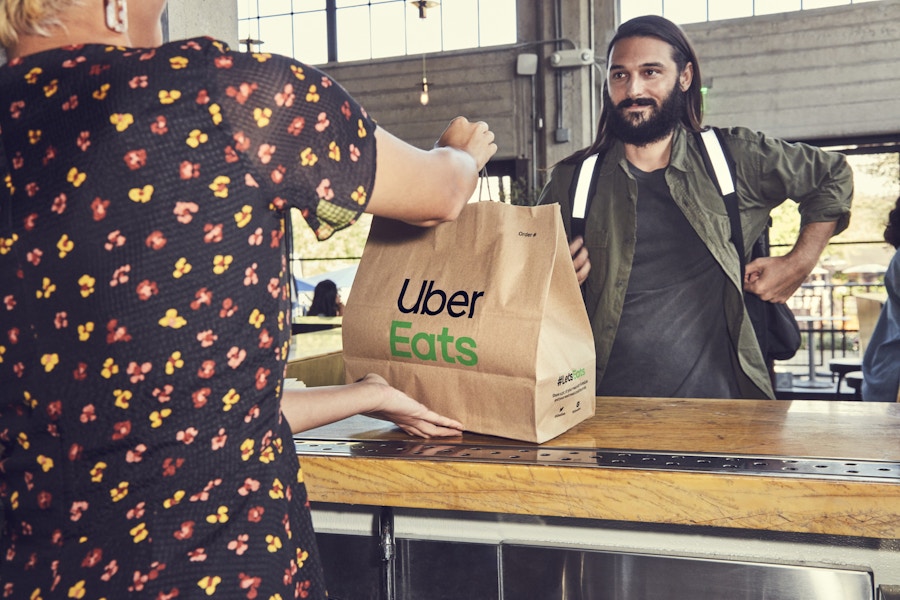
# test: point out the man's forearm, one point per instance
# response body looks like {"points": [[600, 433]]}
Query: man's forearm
{"points": [[810, 243], [776, 278]]}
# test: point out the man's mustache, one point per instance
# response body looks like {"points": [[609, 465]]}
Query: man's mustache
{"points": [[628, 102]]}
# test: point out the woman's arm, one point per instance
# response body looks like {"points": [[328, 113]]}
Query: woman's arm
{"points": [[426, 187], [313, 407]]}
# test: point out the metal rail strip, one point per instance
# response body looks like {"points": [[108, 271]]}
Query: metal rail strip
{"points": [[770, 466]]}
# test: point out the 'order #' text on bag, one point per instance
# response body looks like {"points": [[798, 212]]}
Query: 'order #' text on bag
{"points": [[480, 319]]}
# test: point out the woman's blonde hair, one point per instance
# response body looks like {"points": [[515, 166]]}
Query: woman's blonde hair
{"points": [[29, 16]]}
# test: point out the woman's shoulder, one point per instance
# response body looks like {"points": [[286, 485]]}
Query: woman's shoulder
{"points": [[218, 51], [210, 53], [207, 46]]}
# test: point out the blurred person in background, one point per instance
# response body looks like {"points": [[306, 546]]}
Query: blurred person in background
{"points": [[881, 362], [326, 300]]}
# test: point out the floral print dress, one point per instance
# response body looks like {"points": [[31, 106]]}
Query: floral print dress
{"points": [[144, 316]]}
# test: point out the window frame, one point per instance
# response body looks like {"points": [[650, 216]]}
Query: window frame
{"points": [[250, 20]]}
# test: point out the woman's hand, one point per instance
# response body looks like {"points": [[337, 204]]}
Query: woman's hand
{"points": [[475, 139], [309, 408], [409, 415]]}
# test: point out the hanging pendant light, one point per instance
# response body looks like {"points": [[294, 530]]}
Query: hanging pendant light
{"points": [[422, 5], [250, 42]]}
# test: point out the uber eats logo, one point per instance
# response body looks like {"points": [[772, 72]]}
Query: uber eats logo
{"points": [[432, 346]]}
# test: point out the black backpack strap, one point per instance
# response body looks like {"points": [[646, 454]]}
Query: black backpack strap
{"points": [[584, 184]]}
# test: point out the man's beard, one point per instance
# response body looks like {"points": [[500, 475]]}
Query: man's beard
{"points": [[660, 123]]}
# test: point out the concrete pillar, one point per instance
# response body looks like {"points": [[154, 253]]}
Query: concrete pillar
{"points": [[193, 18]]}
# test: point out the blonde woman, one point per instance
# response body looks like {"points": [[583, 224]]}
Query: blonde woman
{"points": [[146, 448]]}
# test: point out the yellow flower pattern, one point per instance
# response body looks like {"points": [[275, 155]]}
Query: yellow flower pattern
{"points": [[169, 96], [150, 188], [86, 286], [121, 121], [195, 138], [84, 331], [109, 368], [142, 194], [49, 361]]}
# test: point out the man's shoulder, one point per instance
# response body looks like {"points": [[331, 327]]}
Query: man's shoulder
{"points": [[744, 143], [565, 169], [741, 134]]}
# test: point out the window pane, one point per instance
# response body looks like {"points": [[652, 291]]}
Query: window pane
{"points": [[369, 29], [497, 20], [685, 11], [276, 35], [460, 24], [875, 183], [246, 9], [310, 38], [730, 10], [388, 29], [305, 5], [248, 29], [769, 7], [629, 9], [353, 35], [273, 7], [423, 35]]}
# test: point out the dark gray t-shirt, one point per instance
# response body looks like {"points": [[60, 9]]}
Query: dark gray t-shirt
{"points": [[672, 339]]}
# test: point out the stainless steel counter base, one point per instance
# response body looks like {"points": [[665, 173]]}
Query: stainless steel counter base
{"points": [[443, 570], [541, 572]]}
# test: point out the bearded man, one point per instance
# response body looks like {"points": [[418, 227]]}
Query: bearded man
{"points": [[661, 278]]}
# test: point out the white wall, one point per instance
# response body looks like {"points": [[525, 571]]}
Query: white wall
{"points": [[193, 18], [804, 75]]}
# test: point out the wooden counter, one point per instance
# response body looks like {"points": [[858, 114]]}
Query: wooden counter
{"points": [[827, 430], [317, 358]]}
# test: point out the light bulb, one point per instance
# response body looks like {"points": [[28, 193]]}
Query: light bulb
{"points": [[423, 97]]}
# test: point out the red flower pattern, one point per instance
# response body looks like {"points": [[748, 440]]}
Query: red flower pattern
{"points": [[143, 402]]}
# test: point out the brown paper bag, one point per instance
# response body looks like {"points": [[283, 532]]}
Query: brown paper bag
{"points": [[480, 319]]}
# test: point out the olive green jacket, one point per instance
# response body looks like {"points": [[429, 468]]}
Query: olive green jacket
{"points": [[767, 172]]}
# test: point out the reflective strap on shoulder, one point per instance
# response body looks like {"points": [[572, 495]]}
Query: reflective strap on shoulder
{"points": [[582, 188], [717, 159]]}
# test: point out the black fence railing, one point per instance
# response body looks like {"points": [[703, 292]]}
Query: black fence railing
{"points": [[834, 323]]}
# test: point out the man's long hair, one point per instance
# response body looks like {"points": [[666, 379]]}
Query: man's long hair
{"points": [[682, 53]]}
